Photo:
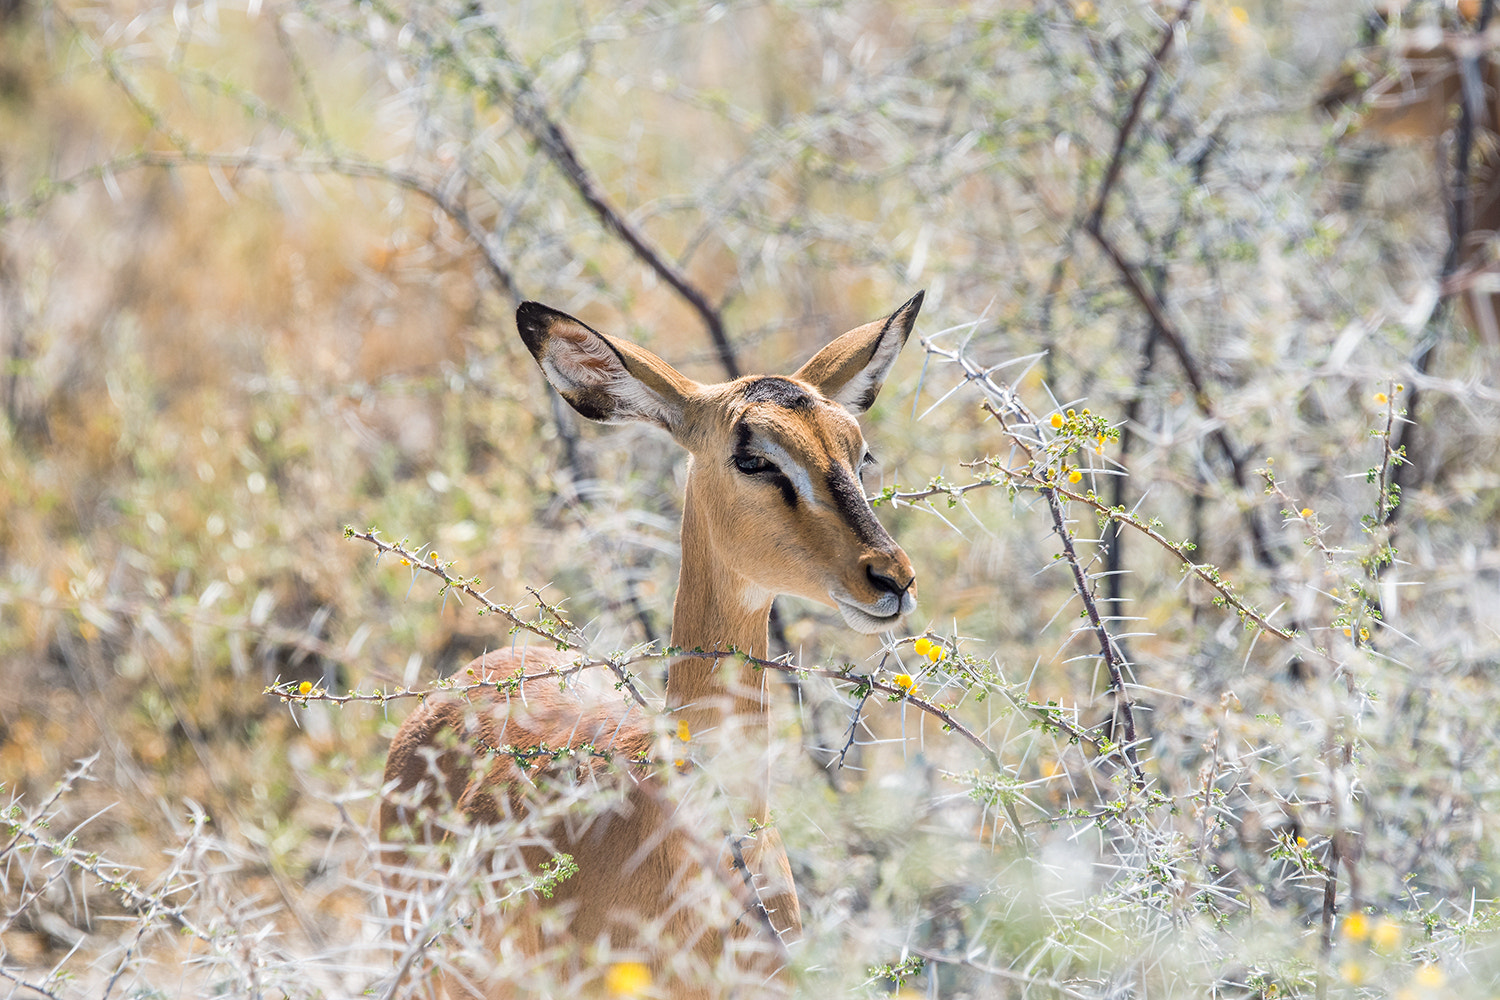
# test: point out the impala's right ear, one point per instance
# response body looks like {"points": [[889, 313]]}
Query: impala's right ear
{"points": [[601, 378], [851, 370]]}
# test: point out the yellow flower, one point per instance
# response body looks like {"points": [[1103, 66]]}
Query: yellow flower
{"points": [[683, 733], [627, 979], [1301, 841], [1085, 12], [406, 562], [905, 683], [1238, 16], [1307, 512], [433, 555], [936, 653], [305, 687], [1074, 476], [922, 645], [1429, 976], [1386, 937], [1352, 973], [1057, 421], [1381, 398], [1356, 927]]}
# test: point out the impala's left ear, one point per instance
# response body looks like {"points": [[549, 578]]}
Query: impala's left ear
{"points": [[600, 377], [851, 370]]}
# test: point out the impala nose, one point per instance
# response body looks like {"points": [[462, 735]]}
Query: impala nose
{"points": [[881, 581]]}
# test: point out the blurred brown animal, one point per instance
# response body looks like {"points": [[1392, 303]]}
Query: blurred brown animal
{"points": [[1407, 85], [773, 505]]}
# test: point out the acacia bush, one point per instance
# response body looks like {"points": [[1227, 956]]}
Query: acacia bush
{"points": [[1194, 461]]}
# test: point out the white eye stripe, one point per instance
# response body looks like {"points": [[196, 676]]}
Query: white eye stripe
{"points": [[790, 467]]}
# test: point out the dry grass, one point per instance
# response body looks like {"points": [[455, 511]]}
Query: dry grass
{"points": [[256, 273]]}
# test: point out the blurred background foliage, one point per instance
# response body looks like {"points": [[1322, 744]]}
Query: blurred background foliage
{"points": [[257, 271]]}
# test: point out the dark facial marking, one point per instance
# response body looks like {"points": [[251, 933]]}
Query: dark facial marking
{"points": [[788, 491], [780, 391], [742, 449], [849, 500]]}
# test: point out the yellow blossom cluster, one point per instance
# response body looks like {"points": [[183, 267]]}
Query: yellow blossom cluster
{"points": [[627, 979], [926, 647]]}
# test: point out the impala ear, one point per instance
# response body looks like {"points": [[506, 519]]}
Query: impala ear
{"points": [[851, 370], [602, 378]]}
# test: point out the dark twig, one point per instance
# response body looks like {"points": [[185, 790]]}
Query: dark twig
{"points": [[1137, 103], [1329, 914], [30, 987], [997, 397], [1151, 303], [854, 721], [1114, 661], [549, 135], [532, 116]]}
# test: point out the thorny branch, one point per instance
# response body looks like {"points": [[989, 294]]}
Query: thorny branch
{"points": [[1114, 659], [998, 396], [23, 984], [1205, 572], [566, 637], [27, 835], [558, 630]]}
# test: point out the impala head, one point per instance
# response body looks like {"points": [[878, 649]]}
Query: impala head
{"points": [[1405, 78], [775, 475]]}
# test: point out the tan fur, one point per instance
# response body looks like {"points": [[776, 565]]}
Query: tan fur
{"points": [[1409, 90], [709, 914]]}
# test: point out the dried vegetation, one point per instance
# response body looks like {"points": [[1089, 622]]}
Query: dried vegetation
{"points": [[1197, 465]]}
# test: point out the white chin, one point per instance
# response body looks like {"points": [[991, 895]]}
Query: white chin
{"points": [[863, 621]]}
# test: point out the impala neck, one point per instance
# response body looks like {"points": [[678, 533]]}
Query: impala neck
{"points": [[722, 700]]}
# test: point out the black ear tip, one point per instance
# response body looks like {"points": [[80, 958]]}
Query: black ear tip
{"points": [[905, 317], [531, 323], [534, 320]]}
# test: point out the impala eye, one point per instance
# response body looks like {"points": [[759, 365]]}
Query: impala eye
{"points": [[751, 464]]}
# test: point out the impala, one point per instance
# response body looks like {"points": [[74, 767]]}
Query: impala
{"points": [[1409, 86], [773, 505]]}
